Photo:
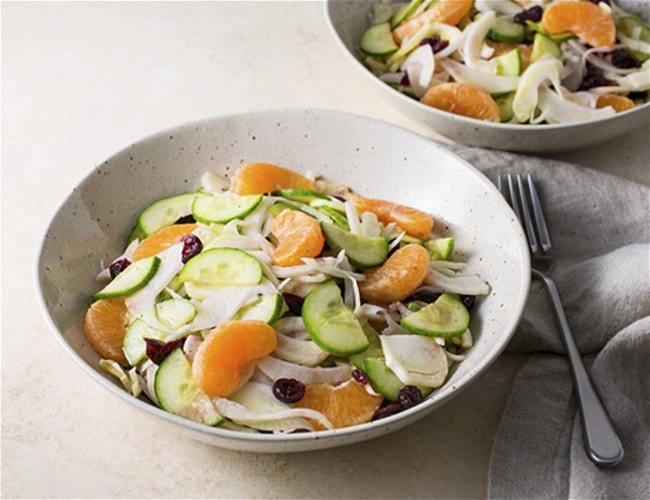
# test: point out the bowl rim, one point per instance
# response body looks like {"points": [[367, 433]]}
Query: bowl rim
{"points": [[269, 439], [393, 93]]}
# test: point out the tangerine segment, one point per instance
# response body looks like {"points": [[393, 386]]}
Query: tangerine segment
{"points": [[398, 277], [264, 178], [415, 222], [618, 102], [222, 357], [298, 234], [105, 326], [161, 240], [585, 19], [344, 405], [463, 99], [444, 11]]}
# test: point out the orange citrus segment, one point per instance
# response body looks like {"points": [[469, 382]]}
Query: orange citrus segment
{"points": [[415, 222], [591, 23], [222, 357], [264, 178], [161, 240], [343, 405], [398, 277], [298, 234], [463, 99], [444, 11], [618, 102], [105, 326]]}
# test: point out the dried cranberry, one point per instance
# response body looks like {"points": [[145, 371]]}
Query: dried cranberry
{"points": [[409, 396], [387, 411], [623, 59], [468, 301], [157, 350], [191, 246], [405, 82], [294, 303], [533, 14], [424, 295], [118, 266], [288, 390], [590, 82], [436, 43], [598, 1], [360, 376], [187, 219]]}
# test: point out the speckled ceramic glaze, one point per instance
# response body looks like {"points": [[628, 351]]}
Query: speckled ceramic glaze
{"points": [[349, 18], [375, 158]]}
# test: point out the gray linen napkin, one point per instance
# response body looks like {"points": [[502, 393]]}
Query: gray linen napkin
{"points": [[599, 227]]}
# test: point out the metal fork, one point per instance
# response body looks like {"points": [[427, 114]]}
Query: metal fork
{"points": [[601, 442]]}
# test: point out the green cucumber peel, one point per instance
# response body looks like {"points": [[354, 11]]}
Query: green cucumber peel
{"points": [[133, 278]]}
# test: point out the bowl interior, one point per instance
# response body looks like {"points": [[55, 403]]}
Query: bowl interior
{"points": [[374, 158], [348, 19]]}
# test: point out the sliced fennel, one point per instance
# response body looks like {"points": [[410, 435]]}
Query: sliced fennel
{"points": [[546, 68], [255, 406], [416, 359], [492, 84]]}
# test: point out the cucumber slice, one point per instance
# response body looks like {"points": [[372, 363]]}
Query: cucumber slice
{"points": [[266, 308], [174, 313], [337, 205], [278, 207], [178, 393], [440, 248], [446, 317], [543, 44], [403, 13], [362, 251], [330, 323], [209, 209], [373, 351], [136, 234], [510, 63], [222, 266], [381, 13], [505, 106], [634, 27], [165, 212], [377, 40], [301, 195], [335, 216], [134, 346], [505, 30], [559, 38], [132, 279], [385, 381], [404, 89]]}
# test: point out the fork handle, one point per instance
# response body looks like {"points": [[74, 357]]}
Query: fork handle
{"points": [[601, 441]]}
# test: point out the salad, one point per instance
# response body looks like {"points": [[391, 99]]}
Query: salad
{"points": [[275, 302], [512, 61]]}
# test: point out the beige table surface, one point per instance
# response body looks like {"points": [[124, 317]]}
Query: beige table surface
{"points": [[81, 81]]}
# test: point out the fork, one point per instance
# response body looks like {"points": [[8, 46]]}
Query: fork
{"points": [[600, 439]]}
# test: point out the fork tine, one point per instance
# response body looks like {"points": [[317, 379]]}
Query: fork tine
{"points": [[544, 238], [514, 203], [527, 221], [501, 187]]}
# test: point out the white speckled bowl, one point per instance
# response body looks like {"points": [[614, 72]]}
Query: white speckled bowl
{"points": [[348, 19], [378, 159]]}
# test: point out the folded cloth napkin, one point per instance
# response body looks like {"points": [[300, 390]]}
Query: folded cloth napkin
{"points": [[599, 225]]}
